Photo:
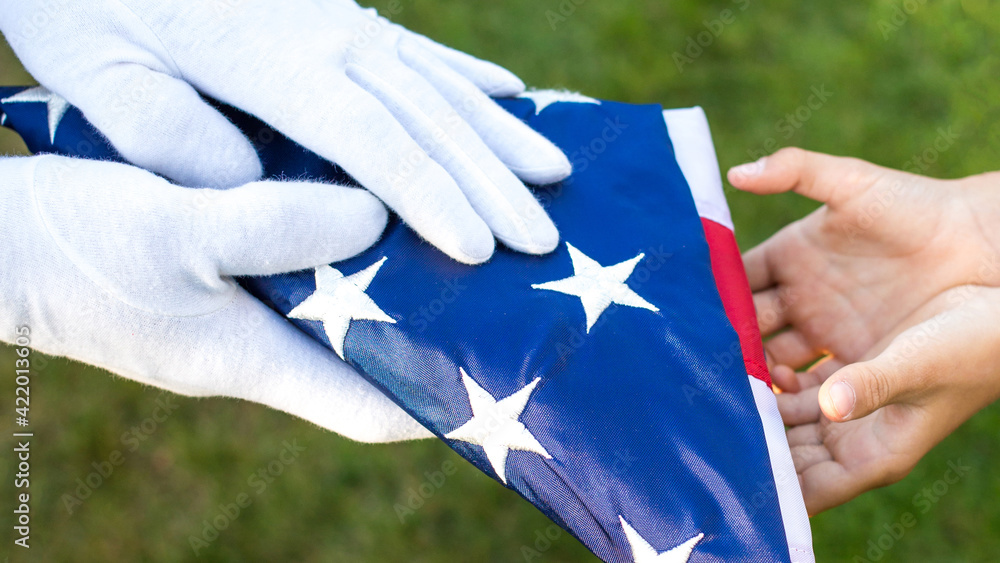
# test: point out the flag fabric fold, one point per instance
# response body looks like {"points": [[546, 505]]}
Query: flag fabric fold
{"points": [[618, 383]]}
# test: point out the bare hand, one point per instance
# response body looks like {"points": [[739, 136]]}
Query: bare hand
{"points": [[885, 280]]}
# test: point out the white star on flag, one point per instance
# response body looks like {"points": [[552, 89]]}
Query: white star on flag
{"points": [[338, 300], [57, 106], [545, 98], [598, 286], [642, 552], [495, 426]]}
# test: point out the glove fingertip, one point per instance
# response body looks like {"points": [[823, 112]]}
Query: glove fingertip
{"points": [[545, 164], [238, 165], [474, 250], [372, 218], [491, 78], [543, 237], [504, 85], [471, 243]]}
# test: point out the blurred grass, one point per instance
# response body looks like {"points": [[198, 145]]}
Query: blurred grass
{"points": [[892, 90]]}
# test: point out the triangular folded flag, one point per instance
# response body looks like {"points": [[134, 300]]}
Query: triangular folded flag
{"points": [[618, 383]]}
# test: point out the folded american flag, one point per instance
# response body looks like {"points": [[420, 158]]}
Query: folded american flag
{"points": [[618, 384]]}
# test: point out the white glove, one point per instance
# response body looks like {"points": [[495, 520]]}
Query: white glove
{"points": [[113, 266], [406, 117]]}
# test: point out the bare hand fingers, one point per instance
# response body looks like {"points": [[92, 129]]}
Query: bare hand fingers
{"points": [[808, 455], [791, 349], [772, 311], [758, 272], [785, 378], [827, 484], [804, 435], [829, 179], [799, 408]]}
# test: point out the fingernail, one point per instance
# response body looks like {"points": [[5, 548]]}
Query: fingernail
{"points": [[748, 170], [843, 398]]}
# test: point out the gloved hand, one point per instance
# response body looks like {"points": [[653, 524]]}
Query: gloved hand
{"points": [[408, 118], [115, 267]]}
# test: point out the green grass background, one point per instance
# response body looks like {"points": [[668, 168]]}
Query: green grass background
{"points": [[893, 88]]}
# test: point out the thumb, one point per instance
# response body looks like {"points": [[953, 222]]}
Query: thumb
{"points": [[824, 178], [901, 371], [942, 338], [860, 389], [266, 228]]}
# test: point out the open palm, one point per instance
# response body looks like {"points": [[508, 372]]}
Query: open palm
{"points": [[838, 280], [928, 376], [882, 266]]}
